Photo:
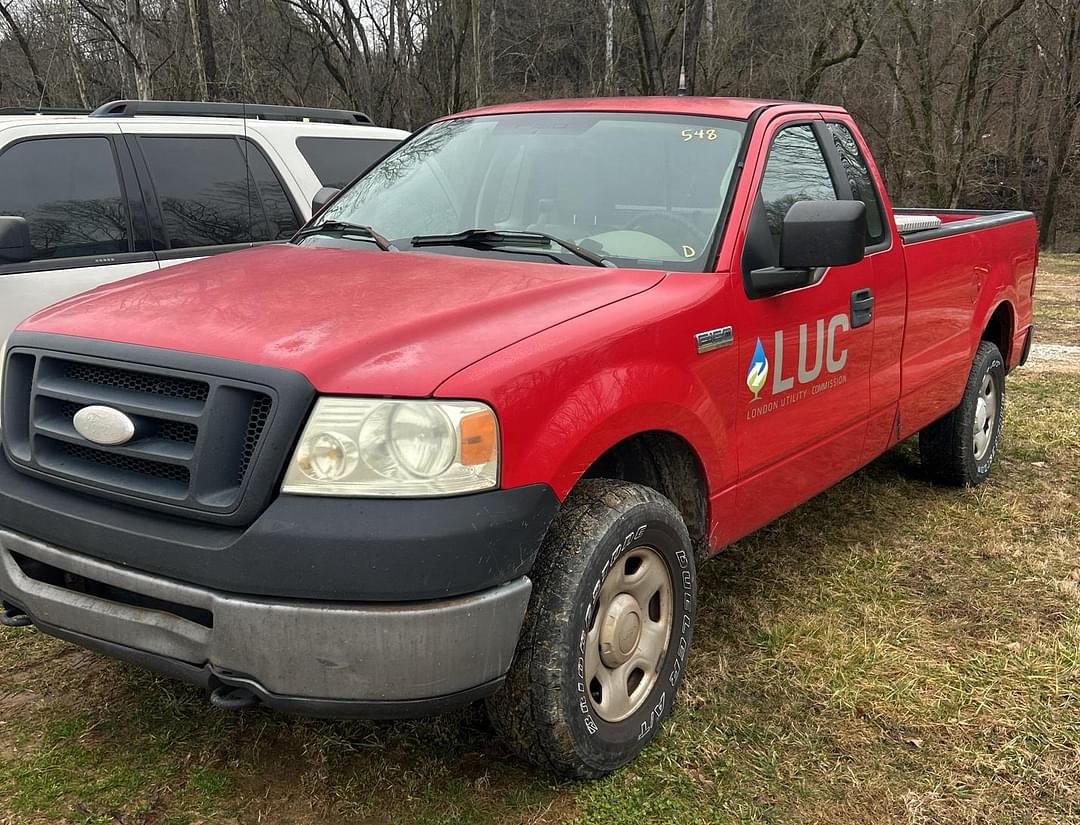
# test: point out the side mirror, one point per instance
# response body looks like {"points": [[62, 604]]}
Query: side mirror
{"points": [[823, 233], [323, 197], [814, 235], [15, 245]]}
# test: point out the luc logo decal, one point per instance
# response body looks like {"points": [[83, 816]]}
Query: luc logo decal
{"points": [[758, 371], [818, 349]]}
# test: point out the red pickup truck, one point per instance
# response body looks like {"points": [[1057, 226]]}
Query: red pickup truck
{"points": [[469, 434]]}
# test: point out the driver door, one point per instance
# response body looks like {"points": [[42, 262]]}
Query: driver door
{"points": [[802, 407]]}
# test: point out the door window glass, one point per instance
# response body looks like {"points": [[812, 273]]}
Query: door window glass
{"points": [[69, 192], [279, 210], [795, 171], [858, 175], [207, 197]]}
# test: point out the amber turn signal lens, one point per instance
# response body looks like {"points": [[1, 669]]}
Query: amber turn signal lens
{"points": [[478, 438]]}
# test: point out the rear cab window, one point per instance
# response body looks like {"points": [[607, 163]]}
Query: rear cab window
{"points": [[69, 191], [337, 161]]}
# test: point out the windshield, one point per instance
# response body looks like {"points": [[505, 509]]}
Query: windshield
{"points": [[641, 190]]}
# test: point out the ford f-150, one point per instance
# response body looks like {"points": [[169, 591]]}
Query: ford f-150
{"points": [[471, 432]]}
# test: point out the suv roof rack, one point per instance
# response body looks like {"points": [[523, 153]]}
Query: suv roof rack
{"points": [[30, 110], [258, 111]]}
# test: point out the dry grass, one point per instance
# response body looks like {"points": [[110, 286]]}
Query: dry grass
{"points": [[890, 652], [1058, 296]]}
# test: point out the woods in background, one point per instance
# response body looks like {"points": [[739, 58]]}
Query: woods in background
{"points": [[971, 103]]}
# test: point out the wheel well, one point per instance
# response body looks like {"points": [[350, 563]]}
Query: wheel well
{"points": [[999, 330], [668, 464]]}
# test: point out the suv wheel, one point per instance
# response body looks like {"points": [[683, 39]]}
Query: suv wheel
{"points": [[604, 643], [960, 448]]}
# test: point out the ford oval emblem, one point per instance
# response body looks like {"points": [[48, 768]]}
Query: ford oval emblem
{"points": [[104, 425]]}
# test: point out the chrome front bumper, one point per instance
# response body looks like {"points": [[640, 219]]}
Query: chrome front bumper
{"points": [[322, 658]]}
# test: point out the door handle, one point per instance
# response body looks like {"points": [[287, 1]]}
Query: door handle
{"points": [[862, 308]]}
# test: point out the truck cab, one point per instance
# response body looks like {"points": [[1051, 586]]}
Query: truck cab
{"points": [[471, 432]]}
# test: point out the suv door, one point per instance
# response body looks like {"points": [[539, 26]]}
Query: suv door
{"points": [[87, 224], [802, 409], [211, 194]]}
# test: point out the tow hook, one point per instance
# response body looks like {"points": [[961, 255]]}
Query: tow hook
{"points": [[230, 697], [13, 617]]}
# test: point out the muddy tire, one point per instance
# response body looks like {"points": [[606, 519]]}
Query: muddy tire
{"points": [[960, 448], [606, 634]]}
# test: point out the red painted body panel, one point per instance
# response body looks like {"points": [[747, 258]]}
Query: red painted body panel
{"points": [[353, 321], [954, 285], [576, 359]]}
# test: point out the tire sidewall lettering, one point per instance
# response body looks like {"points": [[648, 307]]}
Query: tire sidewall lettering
{"points": [[994, 368], [641, 724]]}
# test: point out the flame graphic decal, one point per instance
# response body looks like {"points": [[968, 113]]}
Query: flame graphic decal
{"points": [[758, 371]]}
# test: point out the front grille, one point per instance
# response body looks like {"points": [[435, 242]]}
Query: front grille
{"points": [[133, 381], [128, 464], [177, 431], [257, 418], [196, 438]]}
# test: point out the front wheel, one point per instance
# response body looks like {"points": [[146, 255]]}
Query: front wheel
{"points": [[606, 634], [960, 448]]}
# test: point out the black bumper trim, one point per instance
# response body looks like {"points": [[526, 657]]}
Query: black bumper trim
{"points": [[302, 547], [1028, 339]]}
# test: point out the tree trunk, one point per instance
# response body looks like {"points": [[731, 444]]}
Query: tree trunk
{"points": [[694, 14], [609, 47], [137, 38], [24, 46], [77, 71], [202, 35], [652, 74]]}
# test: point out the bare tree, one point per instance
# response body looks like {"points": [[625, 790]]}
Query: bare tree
{"points": [[28, 54], [965, 102]]}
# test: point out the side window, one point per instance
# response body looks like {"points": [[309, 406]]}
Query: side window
{"points": [[795, 171], [279, 210], [858, 175], [336, 161], [68, 189], [206, 195]]}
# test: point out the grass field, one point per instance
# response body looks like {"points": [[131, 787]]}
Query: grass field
{"points": [[890, 652]]}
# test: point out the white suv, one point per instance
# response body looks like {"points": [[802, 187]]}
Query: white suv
{"points": [[139, 185]]}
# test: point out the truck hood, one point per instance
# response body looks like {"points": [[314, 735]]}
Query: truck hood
{"points": [[352, 321]]}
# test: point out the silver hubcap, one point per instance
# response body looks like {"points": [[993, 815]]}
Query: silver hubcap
{"points": [[629, 635], [986, 408]]}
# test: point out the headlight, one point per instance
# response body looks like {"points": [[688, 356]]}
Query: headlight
{"points": [[374, 447]]}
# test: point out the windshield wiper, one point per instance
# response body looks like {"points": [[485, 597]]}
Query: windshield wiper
{"points": [[501, 237], [346, 228]]}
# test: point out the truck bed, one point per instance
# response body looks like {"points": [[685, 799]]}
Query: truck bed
{"points": [[957, 274], [951, 221]]}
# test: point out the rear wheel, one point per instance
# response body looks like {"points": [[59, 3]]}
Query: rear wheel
{"points": [[605, 638], [960, 448]]}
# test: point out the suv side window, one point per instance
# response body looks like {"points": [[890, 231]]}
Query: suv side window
{"points": [[336, 161], [279, 209], [207, 197], [795, 171], [858, 175], [68, 189]]}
